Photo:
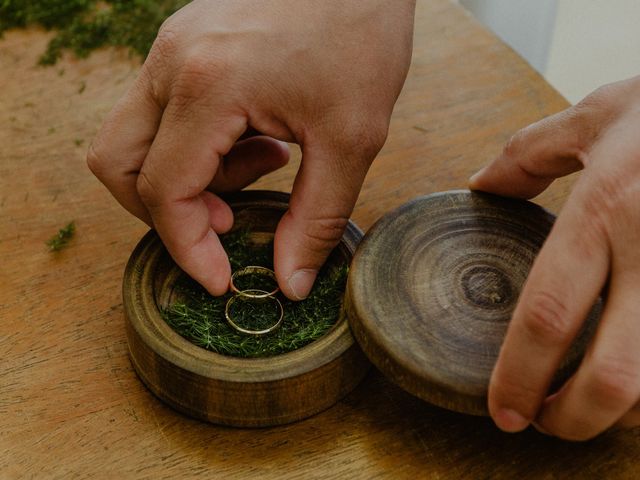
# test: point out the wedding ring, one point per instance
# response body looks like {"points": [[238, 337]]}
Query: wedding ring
{"points": [[252, 294], [253, 270]]}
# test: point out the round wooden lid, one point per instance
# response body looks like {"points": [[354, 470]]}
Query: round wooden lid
{"points": [[432, 288]]}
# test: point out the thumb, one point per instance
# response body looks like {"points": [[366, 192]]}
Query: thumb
{"points": [[324, 193], [535, 156]]}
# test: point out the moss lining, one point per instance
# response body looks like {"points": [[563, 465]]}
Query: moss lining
{"points": [[85, 25], [199, 317]]}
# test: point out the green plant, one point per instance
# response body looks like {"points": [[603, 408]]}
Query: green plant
{"points": [[199, 317], [61, 239], [85, 25]]}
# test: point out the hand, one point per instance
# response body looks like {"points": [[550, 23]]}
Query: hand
{"points": [[594, 242], [323, 74]]}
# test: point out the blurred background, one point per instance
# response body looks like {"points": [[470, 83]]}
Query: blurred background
{"points": [[577, 45]]}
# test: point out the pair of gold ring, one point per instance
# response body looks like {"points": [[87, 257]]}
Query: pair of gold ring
{"points": [[253, 294]]}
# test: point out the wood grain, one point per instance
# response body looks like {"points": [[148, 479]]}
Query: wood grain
{"points": [[432, 288], [71, 405], [240, 392]]}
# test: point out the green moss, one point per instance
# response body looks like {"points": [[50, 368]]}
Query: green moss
{"points": [[199, 317], [47, 13], [61, 239], [85, 25]]}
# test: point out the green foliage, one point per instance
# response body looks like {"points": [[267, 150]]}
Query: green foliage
{"points": [[85, 25], [47, 13], [61, 239], [199, 317]]}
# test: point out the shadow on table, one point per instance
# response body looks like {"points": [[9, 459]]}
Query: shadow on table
{"points": [[381, 430]]}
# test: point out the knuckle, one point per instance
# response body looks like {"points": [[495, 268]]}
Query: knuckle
{"points": [[599, 98], [578, 130], [159, 61], [95, 161], [546, 318], [197, 69], [148, 192], [151, 83], [596, 110], [608, 205], [323, 234], [609, 191], [614, 382], [195, 78], [365, 139], [165, 45], [513, 146], [376, 135]]}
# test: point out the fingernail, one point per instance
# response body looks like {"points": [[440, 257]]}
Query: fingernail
{"points": [[301, 282], [475, 176], [510, 420]]}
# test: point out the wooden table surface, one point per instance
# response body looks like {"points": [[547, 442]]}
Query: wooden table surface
{"points": [[70, 403]]}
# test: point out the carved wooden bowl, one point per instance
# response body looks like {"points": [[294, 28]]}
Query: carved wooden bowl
{"points": [[432, 287], [230, 390]]}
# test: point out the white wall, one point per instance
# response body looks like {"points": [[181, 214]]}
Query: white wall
{"points": [[595, 42], [577, 45], [526, 25]]}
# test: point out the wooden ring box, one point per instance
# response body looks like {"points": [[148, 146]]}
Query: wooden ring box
{"points": [[430, 292], [243, 392]]}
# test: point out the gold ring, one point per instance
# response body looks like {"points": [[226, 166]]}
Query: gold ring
{"points": [[252, 269], [262, 296]]}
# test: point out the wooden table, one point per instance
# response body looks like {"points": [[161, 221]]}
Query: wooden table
{"points": [[70, 403]]}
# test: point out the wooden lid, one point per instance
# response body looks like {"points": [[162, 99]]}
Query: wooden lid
{"points": [[432, 288]]}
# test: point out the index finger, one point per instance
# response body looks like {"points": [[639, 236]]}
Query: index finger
{"points": [[181, 163]]}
